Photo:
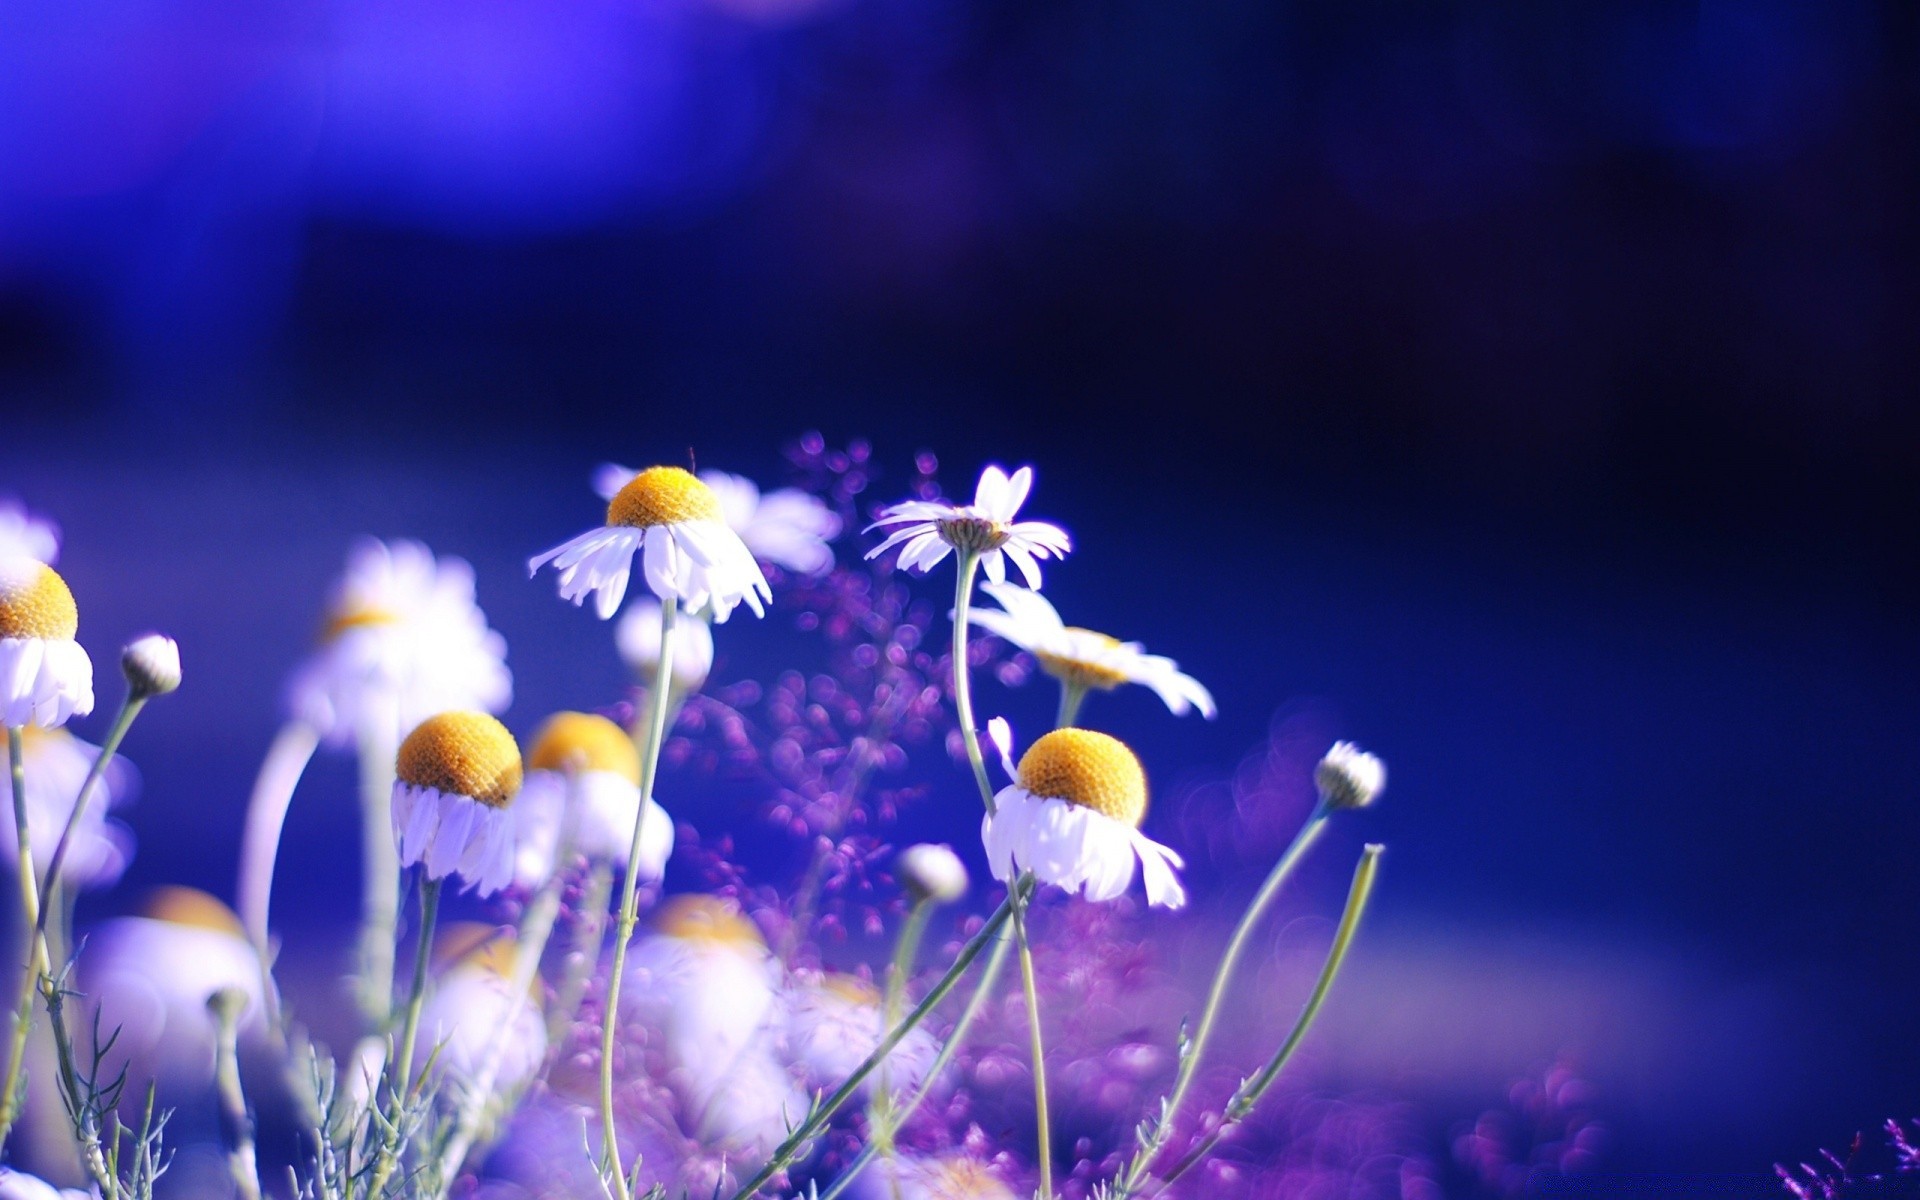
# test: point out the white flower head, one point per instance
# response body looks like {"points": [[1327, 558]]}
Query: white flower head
{"points": [[942, 1177], [472, 1009], [1349, 777], [638, 637], [836, 1021], [151, 664], [688, 554], [1072, 817], [15, 1186], [1082, 658], [986, 527], [23, 535], [57, 764], [403, 640], [583, 790], [786, 527], [45, 675], [456, 775], [931, 872], [150, 977]]}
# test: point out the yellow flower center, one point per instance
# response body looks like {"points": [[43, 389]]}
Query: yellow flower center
{"points": [[35, 602], [1089, 769], [663, 496], [965, 1179], [463, 754], [192, 908], [851, 988], [584, 742], [1079, 672], [476, 944], [709, 920], [356, 618]]}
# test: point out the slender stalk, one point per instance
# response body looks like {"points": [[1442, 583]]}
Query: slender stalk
{"points": [[13, 1087], [400, 1069], [1043, 1153], [989, 976], [905, 951], [280, 771], [1154, 1142], [122, 721], [823, 1111], [378, 738], [242, 1162], [1071, 697], [94, 1152], [1252, 1089], [968, 562], [583, 953], [657, 699]]}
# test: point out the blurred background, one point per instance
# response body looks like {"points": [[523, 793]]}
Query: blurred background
{"points": [[1526, 393]]}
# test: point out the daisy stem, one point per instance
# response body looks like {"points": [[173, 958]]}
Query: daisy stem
{"points": [[122, 721], [623, 933], [242, 1163], [904, 954], [1043, 1125], [1249, 1092], [400, 1069], [380, 862], [280, 771], [968, 561], [1071, 696], [13, 1088], [1154, 1142]]}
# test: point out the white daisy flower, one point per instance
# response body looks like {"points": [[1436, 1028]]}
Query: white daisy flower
{"points": [[583, 789], [472, 1008], [834, 1023], [1081, 658], [15, 1186], [985, 527], [786, 527], [931, 871], [687, 552], [56, 765], [638, 637], [1349, 777], [23, 535], [1072, 817], [150, 977], [403, 640], [942, 1177], [456, 774], [45, 676]]}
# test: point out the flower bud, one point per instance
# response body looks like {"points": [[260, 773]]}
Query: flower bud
{"points": [[151, 665], [1349, 777], [930, 872]]}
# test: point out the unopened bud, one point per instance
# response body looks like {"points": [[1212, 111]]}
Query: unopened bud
{"points": [[1349, 777], [151, 665], [931, 872]]}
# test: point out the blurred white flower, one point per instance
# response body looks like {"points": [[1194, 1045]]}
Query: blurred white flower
{"points": [[472, 1009], [986, 527], [687, 552], [786, 527], [1082, 658], [23, 535], [15, 1186], [456, 775], [583, 789], [1072, 817], [56, 765], [835, 1022], [944, 1177], [931, 872], [403, 640], [45, 676], [1349, 777], [638, 636]]}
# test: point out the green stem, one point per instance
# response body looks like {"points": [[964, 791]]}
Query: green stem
{"points": [[962, 690], [904, 954], [823, 1112], [13, 1088], [1043, 1153], [122, 721], [242, 1163], [1154, 1142], [401, 1068], [1071, 697], [1249, 1092], [378, 739], [657, 700]]}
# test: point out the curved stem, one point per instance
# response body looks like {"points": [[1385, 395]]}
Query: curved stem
{"points": [[657, 699], [1043, 1153], [969, 561], [122, 721], [1154, 1142], [13, 1087], [280, 771], [1249, 1092]]}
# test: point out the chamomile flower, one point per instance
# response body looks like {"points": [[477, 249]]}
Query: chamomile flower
{"points": [[835, 1022], [688, 554], [943, 1177], [56, 765], [583, 789], [45, 676], [15, 1186], [456, 774], [786, 527], [638, 637], [473, 1009], [403, 640], [1072, 817], [986, 527], [1082, 659], [23, 535]]}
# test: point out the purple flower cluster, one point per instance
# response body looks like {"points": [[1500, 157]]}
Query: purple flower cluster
{"points": [[1884, 1163]]}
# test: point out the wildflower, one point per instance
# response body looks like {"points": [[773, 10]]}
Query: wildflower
{"points": [[45, 676], [931, 872], [56, 765], [1349, 777], [1082, 659], [638, 636], [834, 1023], [473, 1009], [403, 640], [150, 976], [584, 756], [945, 1177], [787, 527], [986, 528], [455, 776], [23, 535], [15, 1186], [151, 665], [688, 553], [1072, 817]]}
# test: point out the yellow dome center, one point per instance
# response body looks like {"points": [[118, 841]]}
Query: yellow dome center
{"points": [[663, 496], [1089, 769], [356, 618], [463, 754], [851, 988], [584, 742], [35, 602], [710, 920], [1081, 672], [192, 908]]}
